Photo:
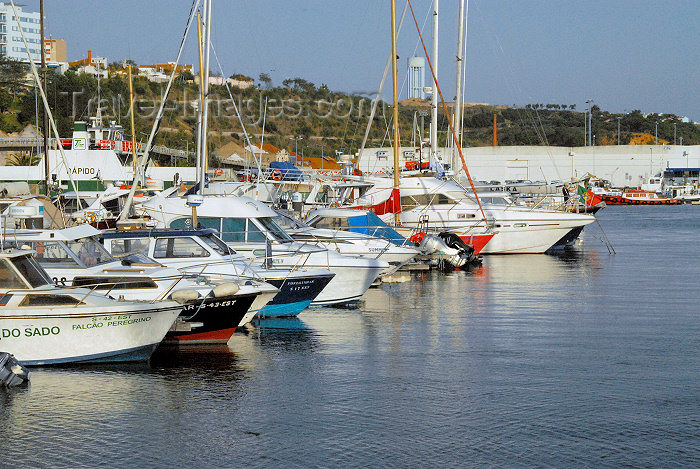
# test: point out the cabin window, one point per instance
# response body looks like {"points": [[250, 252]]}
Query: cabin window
{"points": [[288, 223], [203, 222], [90, 252], [178, 247], [115, 283], [493, 200], [112, 205], [50, 300], [332, 223], [31, 270], [233, 230], [123, 247], [410, 201], [217, 245], [53, 254], [442, 199], [274, 229], [8, 278], [254, 233]]}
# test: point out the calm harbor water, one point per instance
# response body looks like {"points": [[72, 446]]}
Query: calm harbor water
{"points": [[584, 359]]}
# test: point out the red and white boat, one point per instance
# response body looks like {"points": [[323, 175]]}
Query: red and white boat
{"points": [[638, 197]]}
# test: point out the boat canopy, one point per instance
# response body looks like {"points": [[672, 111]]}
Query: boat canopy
{"points": [[372, 225], [358, 221]]}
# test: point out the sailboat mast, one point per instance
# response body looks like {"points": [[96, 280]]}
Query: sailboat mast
{"points": [[205, 107], [131, 113], [458, 95], [198, 159], [47, 170], [394, 82], [434, 98]]}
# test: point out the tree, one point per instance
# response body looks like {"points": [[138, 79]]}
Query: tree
{"points": [[266, 80], [186, 76], [12, 73], [23, 159], [5, 100]]}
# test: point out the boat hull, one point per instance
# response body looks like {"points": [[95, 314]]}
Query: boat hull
{"points": [[353, 275], [76, 335], [516, 232], [621, 200], [295, 294], [218, 317], [478, 242], [348, 285]]}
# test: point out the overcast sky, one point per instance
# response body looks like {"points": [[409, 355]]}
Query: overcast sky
{"points": [[623, 54]]}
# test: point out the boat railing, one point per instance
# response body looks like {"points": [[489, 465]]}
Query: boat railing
{"points": [[204, 266]]}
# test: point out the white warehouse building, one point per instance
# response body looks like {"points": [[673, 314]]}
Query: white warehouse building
{"points": [[622, 165], [11, 44]]}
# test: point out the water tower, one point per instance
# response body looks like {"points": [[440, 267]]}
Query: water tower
{"points": [[416, 77]]}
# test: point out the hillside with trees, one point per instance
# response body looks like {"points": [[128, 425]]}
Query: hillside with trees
{"points": [[300, 114]]}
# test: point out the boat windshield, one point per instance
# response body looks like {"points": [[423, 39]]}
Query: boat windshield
{"points": [[9, 278], [217, 245], [90, 251], [274, 229], [287, 222], [31, 270], [53, 254]]}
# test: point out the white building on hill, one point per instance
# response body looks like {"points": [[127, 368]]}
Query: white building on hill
{"points": [[11, 44]]}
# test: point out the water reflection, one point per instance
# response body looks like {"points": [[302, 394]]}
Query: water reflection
{"points": [[203, 357], [524, 361]]}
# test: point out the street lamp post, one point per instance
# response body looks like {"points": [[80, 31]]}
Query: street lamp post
{"points": [[590, 121], [296, 153], [674, 133], [656, 133]]}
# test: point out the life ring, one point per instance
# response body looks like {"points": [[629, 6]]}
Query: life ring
{"points": [[91, 216], [417, 238], [277, 175], [218, 172]]}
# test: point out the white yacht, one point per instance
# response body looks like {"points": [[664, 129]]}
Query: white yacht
{"points": [[427, 202], [248, 226], [202, 253], [334, 232], [43, 324], [212, 311]]}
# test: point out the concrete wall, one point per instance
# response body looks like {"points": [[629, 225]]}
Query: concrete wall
{"points": [[623, 165]]}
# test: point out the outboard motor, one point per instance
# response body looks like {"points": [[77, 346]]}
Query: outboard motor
{"points": [[12, 373], [452, 249], [455, 242]]}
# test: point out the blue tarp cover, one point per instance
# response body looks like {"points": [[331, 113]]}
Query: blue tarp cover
{"points": [[289, 171], [372, 225]]}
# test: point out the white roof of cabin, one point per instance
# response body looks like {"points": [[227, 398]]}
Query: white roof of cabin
{"points": [[66, 234]]}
